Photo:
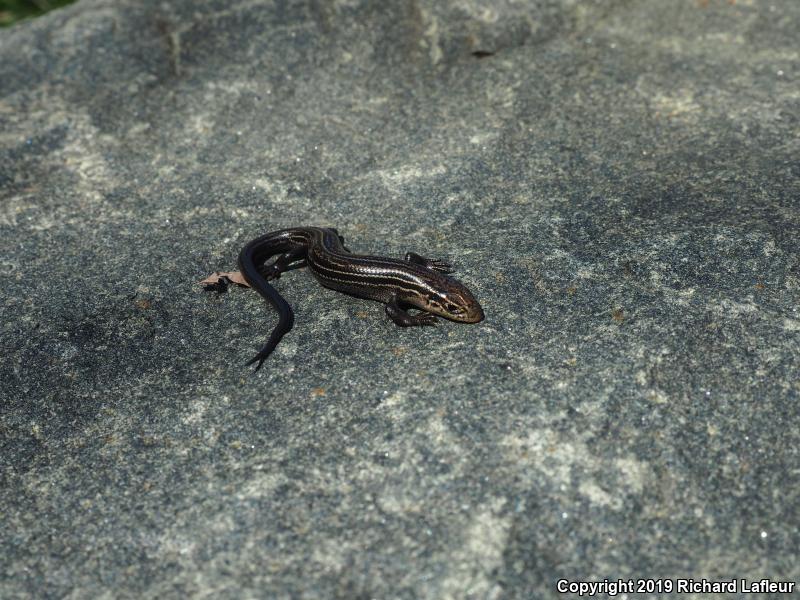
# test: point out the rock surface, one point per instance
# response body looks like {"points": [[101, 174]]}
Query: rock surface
{"points": [[618, 183]]}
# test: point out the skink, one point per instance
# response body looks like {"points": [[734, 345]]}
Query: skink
{"points": [[415, 282]]}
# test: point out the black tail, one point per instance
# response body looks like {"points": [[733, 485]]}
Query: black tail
{"points": [[251, 257], [275, 337]]}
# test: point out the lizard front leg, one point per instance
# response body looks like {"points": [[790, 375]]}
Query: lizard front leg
{"points": [[401, 317], [431, 263]]}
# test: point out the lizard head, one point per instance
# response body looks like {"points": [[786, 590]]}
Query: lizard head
{"points": [[452, 301]]}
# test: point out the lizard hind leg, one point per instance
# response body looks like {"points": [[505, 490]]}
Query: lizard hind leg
{"points": [[294, 259]]}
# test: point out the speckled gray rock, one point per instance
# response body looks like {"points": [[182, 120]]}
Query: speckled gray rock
{"points": [[617, 181]]}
